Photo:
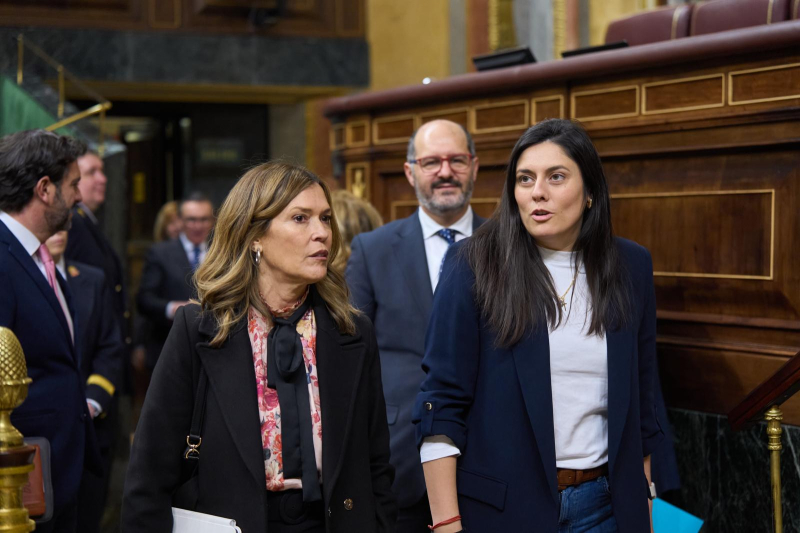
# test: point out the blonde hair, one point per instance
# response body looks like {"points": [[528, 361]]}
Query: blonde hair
{"points": [[167, 213], [227, 280], [354, 216]]}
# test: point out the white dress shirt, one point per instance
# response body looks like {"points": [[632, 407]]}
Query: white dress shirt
{"points": [[31, 244], [188, 247], [435, 246]]}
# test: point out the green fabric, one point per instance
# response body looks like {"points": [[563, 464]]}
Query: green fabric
{"points": [[19, 111]]}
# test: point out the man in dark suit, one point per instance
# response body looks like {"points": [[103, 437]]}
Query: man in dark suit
{"points": [[38, 188], [392, 274], [88, 245], [101, 350], [167, 276]]}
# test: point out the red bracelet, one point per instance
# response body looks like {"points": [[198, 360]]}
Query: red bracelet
{"points": [[456, 518]]}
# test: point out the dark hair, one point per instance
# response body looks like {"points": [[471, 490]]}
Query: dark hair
{"points": [[28, 156], [513, 287], [195, 196], [411, 150]]}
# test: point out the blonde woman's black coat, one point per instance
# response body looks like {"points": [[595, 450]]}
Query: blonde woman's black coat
{"points": [[232, 480]]}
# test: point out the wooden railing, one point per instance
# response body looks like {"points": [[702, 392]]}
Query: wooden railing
{"points": [[100, 109], [763, 403]]}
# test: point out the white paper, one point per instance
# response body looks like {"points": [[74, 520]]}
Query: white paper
{"points": [[184, 521]]}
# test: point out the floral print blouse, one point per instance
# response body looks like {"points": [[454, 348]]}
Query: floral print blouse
{"points": [[269, 410]]}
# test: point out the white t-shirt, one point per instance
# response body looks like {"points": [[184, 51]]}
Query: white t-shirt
{"points": [[578, 377]]}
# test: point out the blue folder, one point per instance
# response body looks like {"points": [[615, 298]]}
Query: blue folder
{"points": [[669, 519]]}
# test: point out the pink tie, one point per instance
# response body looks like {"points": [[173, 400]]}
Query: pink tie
{"points": [[50, 269]]}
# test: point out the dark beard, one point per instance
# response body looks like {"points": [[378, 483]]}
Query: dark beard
{"points": [[58, 216]]}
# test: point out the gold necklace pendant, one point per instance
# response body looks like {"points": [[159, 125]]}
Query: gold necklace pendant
{"points": [[562, 299]]}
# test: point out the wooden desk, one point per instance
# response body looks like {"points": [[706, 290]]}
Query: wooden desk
{"points": [[700, 140]]}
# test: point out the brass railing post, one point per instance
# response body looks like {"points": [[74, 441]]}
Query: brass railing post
{"points": [[20, 57], [101, 146], [15, 457], [61, 91], [774, 431]]}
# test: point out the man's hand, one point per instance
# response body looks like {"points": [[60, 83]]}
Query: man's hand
{"points": [[92, 410]]}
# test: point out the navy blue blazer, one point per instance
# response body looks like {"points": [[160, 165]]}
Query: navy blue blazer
{"points": [[101, 346], [56, 405], [388, 278], [496, 406]]}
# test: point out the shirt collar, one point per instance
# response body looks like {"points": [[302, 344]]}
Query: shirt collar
{"points": [[430, 227], [189, 245], [62, 267], [25, 236]]}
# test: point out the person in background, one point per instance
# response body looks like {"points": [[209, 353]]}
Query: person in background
{"points": [[39, 178], [539, 402], [168, 224], [167, 227], [101, 356], [293, 379], [166, 283], [392, 273], [88, 245], [354, 216]]}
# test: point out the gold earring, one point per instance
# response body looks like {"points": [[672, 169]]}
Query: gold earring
{"points": [[589, 204]]}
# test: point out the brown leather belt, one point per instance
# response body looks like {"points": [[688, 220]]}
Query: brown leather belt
{"points": [[570, 478]]}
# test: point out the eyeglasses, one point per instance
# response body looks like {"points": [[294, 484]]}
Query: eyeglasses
{"points": [[432, 164], [198, 220]]}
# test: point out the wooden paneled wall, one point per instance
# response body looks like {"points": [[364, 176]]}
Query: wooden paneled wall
{"points": [[318, 18], [703, 164]]}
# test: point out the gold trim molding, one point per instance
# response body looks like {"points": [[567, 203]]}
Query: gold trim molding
{"points": [[348, 134], [332, 141], [473, 119], [394, 118], [160, 25], [731, 101], [645, 86], [771, 192], [574, 95], [439, 112], [561, 102]]}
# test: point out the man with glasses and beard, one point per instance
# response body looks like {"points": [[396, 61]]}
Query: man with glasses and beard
{"points": [[392, 273], [39, 179]]}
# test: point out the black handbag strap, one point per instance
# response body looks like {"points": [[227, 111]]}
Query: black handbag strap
{"points": [[194, 438]]}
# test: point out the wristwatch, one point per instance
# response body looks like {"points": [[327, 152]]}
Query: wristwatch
{"points": [[652, 494]]}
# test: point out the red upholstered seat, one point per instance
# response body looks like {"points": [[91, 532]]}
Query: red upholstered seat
{"points": [[721, 15], [660, 24]]}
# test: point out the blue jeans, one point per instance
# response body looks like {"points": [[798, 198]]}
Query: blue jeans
{"points": [[586, 508]]}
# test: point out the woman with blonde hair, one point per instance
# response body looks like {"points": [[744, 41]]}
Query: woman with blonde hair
{"points": [[273, 380], [354, 216], [168, 223]]}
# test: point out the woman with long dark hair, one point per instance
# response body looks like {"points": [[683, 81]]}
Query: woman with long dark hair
{"points": [[537, 412]]}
